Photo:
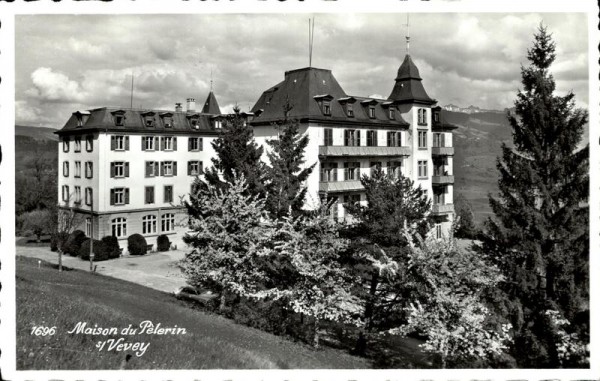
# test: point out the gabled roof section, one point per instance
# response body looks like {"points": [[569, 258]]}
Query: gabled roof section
{"points": [[305, 90], [408, 87], [211, 106]]}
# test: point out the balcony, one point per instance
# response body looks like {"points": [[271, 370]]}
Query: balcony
{"points": [[340, 186], [442, 208], [439, 180], [335, 151], [442, 151]]}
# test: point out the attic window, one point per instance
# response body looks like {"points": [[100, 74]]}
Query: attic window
{"points": [[194, 123], [217, 124], [372, 112], [149, 121], [349, 110], [326, 108], [168, 121], [119, 120], [119, 117], [436, 117], [391, 113]]}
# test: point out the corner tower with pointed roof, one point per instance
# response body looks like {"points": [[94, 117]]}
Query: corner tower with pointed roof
{"points": [[431, 144], [211, 106]]}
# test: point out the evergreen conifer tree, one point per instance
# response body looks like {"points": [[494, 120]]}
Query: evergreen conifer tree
{"points": [[237, 154], [286, 190], [540, 231]]}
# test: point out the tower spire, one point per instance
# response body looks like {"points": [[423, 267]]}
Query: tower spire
{"points": [[407, 34], [211, 80]]}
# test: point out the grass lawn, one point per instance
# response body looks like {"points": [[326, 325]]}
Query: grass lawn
{"points": [[46, 297]]}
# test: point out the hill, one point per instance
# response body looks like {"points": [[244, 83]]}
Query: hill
{"points": [[477, 143], [38, 133]]}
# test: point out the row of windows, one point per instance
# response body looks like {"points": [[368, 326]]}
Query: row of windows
{"points": [[169, 168], [329, 170], [155, 143], [89, 143], [76, 195], [348, 107], [89, 169], [120, 196], [352, 138], [150, 121], [149, 224]]}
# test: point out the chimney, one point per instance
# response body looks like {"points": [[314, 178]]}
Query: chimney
{"points": [[191, 105], [178, 107]]}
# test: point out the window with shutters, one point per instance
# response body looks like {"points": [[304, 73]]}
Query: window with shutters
{"points": [[422, 139], [119, 227], [194, 168], [89, 170], [78, 169], [65, 193], [77, 194], [66, 144], [394, 139], [168, 143], [372, 138], [88, 196], [195, 144], [422, 169], [327, 137], [329, 172], [119, 169], [89, 143], [149, 224], [151, 169], [149, 143], [374, 166], [168, 194], [77, 144], [352, 138], [438, 231], [168, 168], [439, 139], [149, 195], [65, 168], [119, 196], [167, 222], [351, 171], [119, 143]]}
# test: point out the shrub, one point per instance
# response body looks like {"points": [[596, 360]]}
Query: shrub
{"points": [[100, 253], [136, 244], [111, 246], [57, 240], [74, 242], [163, 243]]}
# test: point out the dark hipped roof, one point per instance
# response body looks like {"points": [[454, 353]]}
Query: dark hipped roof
{"points": [[408, 87], [211, 106], [104, 119], [305, 89]]}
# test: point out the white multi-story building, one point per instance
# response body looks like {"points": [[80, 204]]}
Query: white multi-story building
{"points": [[349, 136], [125, 170]]}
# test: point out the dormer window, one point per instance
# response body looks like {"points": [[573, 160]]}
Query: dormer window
{"points": [[327, 108], [436, 117], [148, 118], [391, 113], [217, 123], [372, 112], [167, 119], [119, 117], [82, 117], [324, 103], [349, 110]]}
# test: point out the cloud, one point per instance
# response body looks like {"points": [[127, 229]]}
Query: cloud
{"points": [[53, 87]]}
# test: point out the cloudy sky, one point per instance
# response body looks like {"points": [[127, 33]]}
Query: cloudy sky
{"points": [[66, 62]]}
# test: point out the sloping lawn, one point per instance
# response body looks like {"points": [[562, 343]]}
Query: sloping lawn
{"points": [[46, 297]]}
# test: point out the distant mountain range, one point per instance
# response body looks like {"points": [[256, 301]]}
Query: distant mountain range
{"points": [[474, 109]]}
